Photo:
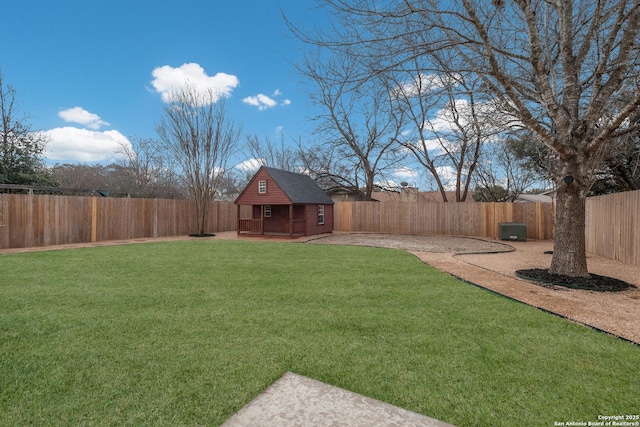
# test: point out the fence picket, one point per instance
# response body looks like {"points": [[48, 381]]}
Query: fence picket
{"points": [[612, 222], [613, 226]]}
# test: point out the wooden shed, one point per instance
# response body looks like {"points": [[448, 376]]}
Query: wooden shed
{"points": [[282, 203]]}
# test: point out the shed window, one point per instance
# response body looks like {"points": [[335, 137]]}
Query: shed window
{"points": [[267, 211], [320, 214], [262, 187]]}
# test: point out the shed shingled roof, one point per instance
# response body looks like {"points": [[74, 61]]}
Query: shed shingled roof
{"points": [[298, 187]]}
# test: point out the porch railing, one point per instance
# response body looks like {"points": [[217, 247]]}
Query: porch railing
{"points": [[249, 226], [255, 226]]}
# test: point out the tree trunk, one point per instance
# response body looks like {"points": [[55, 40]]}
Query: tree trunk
{"points": [[205, 215], [569, 253], [201, 212]]}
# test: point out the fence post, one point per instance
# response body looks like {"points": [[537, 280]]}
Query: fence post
{"points": [[94, 219], [155, 217], [540, 225]]}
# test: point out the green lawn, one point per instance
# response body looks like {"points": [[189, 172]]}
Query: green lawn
{"points": [[186, 333]]}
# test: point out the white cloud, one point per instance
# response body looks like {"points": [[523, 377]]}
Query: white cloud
{"points": [[81, 116], [444, 120], [491, 119], [166, 80], [250, 165], [405, 173], [261, 101], [420, 84], [433, 146], [264, 102], [82, 145], [448, 176]]}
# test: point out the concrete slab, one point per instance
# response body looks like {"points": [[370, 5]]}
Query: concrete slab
{"points": [[295, 400]]}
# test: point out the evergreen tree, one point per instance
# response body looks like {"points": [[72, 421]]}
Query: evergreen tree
{"points": [[20, 147]]}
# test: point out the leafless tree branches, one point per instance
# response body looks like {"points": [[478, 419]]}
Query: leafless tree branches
{"points": [[557, 68], [200, 138]]}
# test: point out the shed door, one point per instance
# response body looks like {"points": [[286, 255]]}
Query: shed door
{"points": [[284, 212]]}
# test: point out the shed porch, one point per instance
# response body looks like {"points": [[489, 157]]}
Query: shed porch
{"points": [[272, 220]]}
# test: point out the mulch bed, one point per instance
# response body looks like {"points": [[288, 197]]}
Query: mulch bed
{"points": [[594, 283]]}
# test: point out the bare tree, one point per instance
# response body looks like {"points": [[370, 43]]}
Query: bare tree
{"points": [[620, 170], [449, 121], [622, 165], [84, 177], [328, 168], [200, 138], [232, 184], [146, 170], [554, 66], [501, 176], [358, 127], [274, 154]]}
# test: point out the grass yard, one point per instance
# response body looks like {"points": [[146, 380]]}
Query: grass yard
{"points": [[186, 333]]}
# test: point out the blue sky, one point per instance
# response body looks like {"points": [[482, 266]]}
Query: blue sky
{"points": [[91, 73]]}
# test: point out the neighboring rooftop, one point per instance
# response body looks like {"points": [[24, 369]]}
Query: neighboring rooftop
{"points": [[535, 198]]}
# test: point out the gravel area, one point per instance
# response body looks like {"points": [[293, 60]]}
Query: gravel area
{"points": [[435, 244]]}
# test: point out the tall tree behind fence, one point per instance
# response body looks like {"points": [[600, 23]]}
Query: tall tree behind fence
{"points": [[613, 226], [462, 219]]}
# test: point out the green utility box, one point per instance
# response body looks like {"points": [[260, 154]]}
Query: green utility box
{"points": [[513, 231]]}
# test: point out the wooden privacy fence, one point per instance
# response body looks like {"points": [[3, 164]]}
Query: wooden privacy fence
{"points": [[36, 220], [43, 220], [462, 219], [613, 226]]}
